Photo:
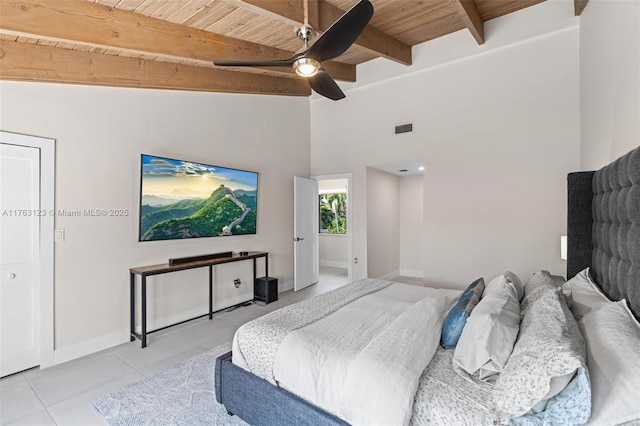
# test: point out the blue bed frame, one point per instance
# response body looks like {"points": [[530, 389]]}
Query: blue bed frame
{"points": [[260, 403]]}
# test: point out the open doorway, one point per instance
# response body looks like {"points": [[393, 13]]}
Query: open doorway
{"points": [[335, 236], [395, 205]]}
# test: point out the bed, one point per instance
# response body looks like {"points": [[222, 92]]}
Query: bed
{"points": [[350, 356]]}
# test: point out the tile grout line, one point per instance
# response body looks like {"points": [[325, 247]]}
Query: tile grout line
{"points": [[39, 399]]}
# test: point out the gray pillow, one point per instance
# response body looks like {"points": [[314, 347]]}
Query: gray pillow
{"points": [[547, 354], [490, 332], [539, 281]]}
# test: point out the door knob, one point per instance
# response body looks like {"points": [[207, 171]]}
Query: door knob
{"points": [[11, 276], [298, 239]]}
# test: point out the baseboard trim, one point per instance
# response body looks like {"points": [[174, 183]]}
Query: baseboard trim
{"points": [[98, 344], [89, 347], [334, 264], [285, 286], [108, 341], [413, 273], [391, 275]]}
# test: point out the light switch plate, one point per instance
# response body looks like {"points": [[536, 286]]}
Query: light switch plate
{"points": [[58, 235]]}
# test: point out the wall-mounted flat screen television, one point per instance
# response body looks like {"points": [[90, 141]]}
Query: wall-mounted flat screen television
{"points": [[182, 199]]}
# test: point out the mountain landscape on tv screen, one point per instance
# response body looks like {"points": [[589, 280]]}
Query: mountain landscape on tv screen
{"points": [[226, 212], [168, 212]]}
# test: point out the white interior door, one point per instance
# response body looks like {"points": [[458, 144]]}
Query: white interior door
{"points": [[305, 233], [20, 216]]}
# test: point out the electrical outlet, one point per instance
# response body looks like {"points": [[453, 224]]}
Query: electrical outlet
{"points": [[237, 282]]}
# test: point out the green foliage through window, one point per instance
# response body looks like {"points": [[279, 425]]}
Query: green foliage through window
{"points": [[333, 213]]}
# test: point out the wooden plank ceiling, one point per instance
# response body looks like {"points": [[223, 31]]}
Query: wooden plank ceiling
{"points": [[170, 44]]}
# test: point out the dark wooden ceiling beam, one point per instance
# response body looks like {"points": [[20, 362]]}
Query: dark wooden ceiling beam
{"points": [[83, 22], [22, 61], [371, 39], [468, 12], [579, 6]]}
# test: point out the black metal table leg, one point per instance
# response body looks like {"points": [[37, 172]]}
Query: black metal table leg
{"points": [[132, 299], [143, 312], [210, 291], [255, 279], [266, 274]]}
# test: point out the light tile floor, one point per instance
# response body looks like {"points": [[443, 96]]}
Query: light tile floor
{"points": [[63, 394]]}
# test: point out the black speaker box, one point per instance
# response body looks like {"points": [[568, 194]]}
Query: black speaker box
{"points": [[266, 289]]}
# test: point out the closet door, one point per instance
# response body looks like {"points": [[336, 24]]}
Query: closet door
{"points": [[20, 217]]}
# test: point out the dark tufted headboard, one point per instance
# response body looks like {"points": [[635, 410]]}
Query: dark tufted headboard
{"points": [[603, 228]]}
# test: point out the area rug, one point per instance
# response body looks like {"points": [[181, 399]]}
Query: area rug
{"points": [[180, 395]]}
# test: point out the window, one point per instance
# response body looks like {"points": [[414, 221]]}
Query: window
{"points": [[333, 213]]}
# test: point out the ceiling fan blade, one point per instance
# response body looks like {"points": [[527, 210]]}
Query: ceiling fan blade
{"points": [[341, 35], [276, 63], [326, 86]]}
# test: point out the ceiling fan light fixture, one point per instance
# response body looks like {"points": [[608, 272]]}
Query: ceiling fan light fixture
{"points": [[306, 67]]}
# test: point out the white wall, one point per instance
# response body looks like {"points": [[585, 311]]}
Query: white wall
{"points": [[497, 131], [100, 134], [411, 229], [333, 250], [383, 224], [610, 81]]}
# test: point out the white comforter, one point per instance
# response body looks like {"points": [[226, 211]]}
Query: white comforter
{"points": [[363, 361]]}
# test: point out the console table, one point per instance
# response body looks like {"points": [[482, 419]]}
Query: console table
{"points": [[145, 271]]}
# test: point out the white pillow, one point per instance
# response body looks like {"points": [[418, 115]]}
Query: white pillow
{"points": [[585, 294], [613, 347], [491, 330]]}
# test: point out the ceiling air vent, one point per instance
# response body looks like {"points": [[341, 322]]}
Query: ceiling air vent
{"points": [[404, 128]]}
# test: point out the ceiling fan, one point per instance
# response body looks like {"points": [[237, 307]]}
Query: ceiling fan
{"points": [[307, 62]]}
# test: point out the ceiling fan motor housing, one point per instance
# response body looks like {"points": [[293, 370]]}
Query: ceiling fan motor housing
{"points": [[305, 33]]}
